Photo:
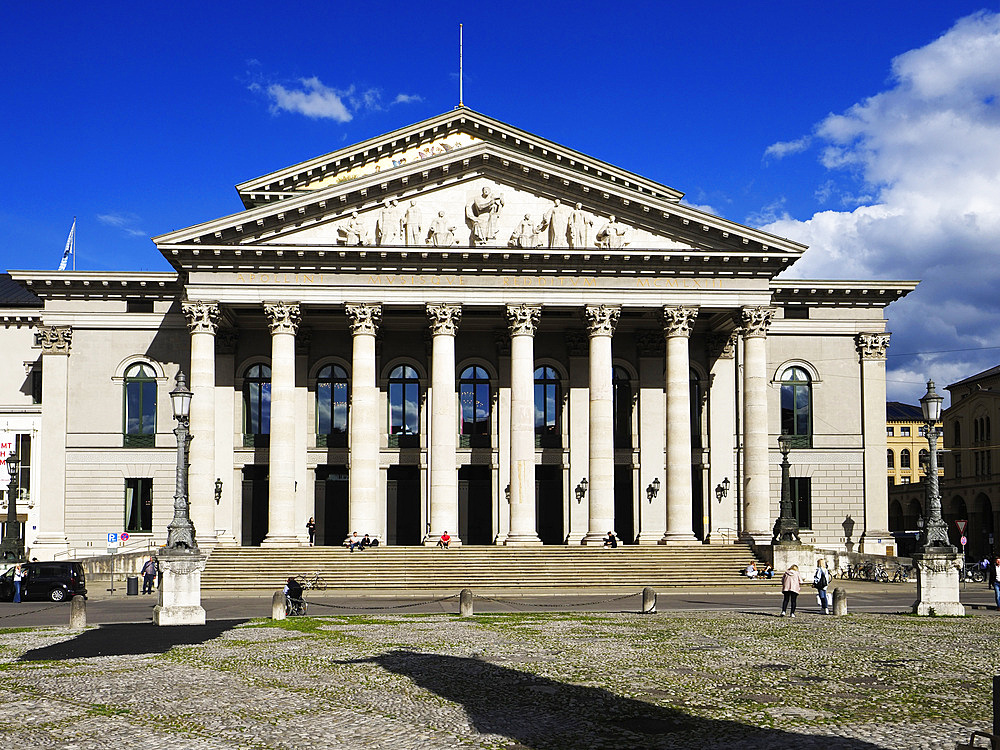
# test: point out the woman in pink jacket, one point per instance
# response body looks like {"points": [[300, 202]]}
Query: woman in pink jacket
{"points": [[791, 584]]}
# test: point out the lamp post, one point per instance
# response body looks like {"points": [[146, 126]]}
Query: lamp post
{"points": [[12, 546], [937, 562], [653, 489], [936, 530], [722, 489], [180, 531], [786, 529], [581, 490]]}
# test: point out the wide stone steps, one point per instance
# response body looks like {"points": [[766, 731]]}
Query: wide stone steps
{"points": [[482, 569]]}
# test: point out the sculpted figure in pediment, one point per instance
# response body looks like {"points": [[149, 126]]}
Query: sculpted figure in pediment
{"points": [[484, 214], [556, 220], [526, 234], [353, 232], [440, 233], [579, 224], [389, 227], [612, 235], [412, 222]]}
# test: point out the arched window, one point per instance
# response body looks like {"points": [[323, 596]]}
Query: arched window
{"points": [[475, 400], [796, 406], [331, 407], [958, 434], [975, 431], [989, 430], [404, 406], [904, 458], [621, 396], [924, 459], [890, 459], [547, 402], [256, 405], [140, 406]]}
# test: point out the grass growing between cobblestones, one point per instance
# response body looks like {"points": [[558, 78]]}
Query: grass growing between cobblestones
{"points": [[547, 680]]}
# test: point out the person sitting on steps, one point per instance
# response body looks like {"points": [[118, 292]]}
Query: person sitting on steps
{"points": [[444, 541], [611, 540], [365, 543]]}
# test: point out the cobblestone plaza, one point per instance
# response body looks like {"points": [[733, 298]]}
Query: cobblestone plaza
{"points": [[552, 680]]}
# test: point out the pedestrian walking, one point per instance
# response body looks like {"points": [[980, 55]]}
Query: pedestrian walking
{"points": [[821, 579], [311, 528], [791, 584], [995, 579], [149, 571], [18, 577]]}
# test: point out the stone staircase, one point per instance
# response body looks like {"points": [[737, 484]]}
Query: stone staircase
{"points": [[482, 569]]}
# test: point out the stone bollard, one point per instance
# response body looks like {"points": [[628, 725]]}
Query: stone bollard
{"points": [[465, 603], [648, 601], [839, 601], [278, 605], [78, 612]]}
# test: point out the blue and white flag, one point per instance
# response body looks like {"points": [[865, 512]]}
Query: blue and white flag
{"points": [[70, 247]]}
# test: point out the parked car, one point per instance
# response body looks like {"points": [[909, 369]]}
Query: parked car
{"points": [[55, 581]]}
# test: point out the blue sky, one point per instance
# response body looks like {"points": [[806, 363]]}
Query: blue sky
{"points": [[867, 130]]}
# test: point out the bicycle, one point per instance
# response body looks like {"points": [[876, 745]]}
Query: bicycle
{"points": [[312, 581], [973, 572], [901, 574]]}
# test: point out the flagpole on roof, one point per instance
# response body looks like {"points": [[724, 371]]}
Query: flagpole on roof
{"points": [[70, 248], [460, 65]]}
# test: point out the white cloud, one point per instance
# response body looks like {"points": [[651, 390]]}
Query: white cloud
{"points": [[407, 99], [781, 149], [313, 100], [926, 154], [126, 222]]}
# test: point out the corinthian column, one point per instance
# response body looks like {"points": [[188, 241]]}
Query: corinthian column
{"points": [[363, 511], [871, 352], [601, 322], [283, 320], [203, 320], [756, 478], [444, 424], [522, 319], [51, 538], [677, 323]]}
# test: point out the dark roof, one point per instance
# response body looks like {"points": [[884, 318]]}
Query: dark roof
{"points": [[978, 376], [898, 412], [13, 294]]}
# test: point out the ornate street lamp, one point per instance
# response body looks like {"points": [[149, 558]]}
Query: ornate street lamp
{"points": [[936, 530], [180, 531], [581, 490], [722, 489], [12, 546], [653, 489], [786, 529]]}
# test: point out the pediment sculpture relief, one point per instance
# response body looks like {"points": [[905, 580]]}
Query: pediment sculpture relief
{"points": [[353, 233], [483, 212]]}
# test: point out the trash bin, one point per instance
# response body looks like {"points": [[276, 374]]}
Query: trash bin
{"points": [[132, 586]]}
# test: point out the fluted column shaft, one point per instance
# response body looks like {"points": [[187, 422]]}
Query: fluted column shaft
{"points": [[363, 508], [283, 320], [203, 320], [523, 319], [601, 322], [444, 424], [56, 342], [756, 471], [677, 323]]}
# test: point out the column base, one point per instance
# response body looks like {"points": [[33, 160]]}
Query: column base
{"points": [[281, 540], [649, 539], [591, 539], [180, 588], [522, 540], [679, 537], [574, 540]]}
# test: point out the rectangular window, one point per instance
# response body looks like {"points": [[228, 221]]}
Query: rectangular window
{"points": [[139, 505], [36, 383], [801, 488], [958, 466], [904, 431], [892, 481], [889, 431], [904, 480]]}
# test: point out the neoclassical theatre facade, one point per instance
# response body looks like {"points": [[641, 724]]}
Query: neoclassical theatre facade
{"points": [[460, 326]]}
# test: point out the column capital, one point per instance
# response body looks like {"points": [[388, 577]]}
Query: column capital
{"points": [[226, 340], [444, 318], [522, 319], [602, 319], [282, 317], [722, 345], [872, 345], [678, 321], [202, 317], [55, 339], [756, 321], [365, 318]]}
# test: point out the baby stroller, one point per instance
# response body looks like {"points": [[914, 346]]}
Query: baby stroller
{"points": [[294, 603]]}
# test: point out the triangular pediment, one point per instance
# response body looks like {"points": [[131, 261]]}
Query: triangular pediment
{"points": [[471, 183]]}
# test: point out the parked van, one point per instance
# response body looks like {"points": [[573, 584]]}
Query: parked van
{"points": [[55, 581]]}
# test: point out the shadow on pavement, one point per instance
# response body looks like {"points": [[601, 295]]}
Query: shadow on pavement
{"points": [[130, 639], [540, 713]]}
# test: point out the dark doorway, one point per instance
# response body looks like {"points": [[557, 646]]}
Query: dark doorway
{"points": [[254, 504], [698, 510], [549, 504], [331, 505], [475, 505], [624, 505], [403, 506]]}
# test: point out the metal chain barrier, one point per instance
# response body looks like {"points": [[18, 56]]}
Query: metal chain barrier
{"points": [[384, 609], [556, 604], [20, 613]]}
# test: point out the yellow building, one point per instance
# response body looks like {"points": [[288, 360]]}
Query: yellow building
{"points": [[906, 443]]}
